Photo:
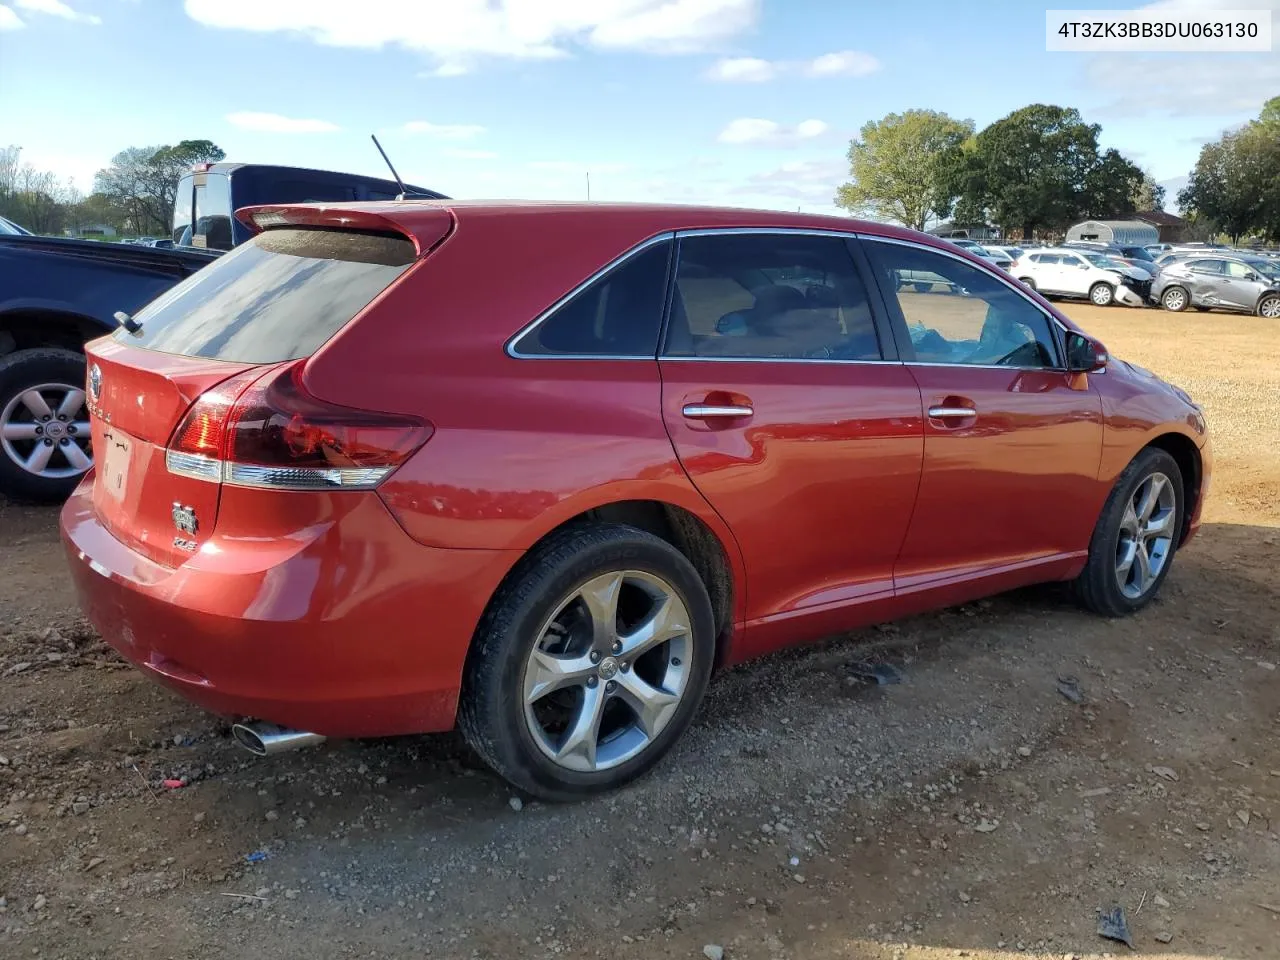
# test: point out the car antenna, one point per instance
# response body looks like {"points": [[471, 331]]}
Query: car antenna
{"points": [[126, 321], [399, 182]]}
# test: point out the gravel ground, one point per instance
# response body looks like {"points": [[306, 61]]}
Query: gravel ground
{"points": [[971, 810]]}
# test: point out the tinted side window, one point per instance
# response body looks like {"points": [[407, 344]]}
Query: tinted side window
{"points": [[1206, 266], [781, 296], [616, 316], [967, 316]]}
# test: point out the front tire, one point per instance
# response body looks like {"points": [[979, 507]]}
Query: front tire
{"points": [[1269, 307], [44, 424], [1102, 294], [1135, 538], [590, 662], [1176, 299], [1027, 282]]}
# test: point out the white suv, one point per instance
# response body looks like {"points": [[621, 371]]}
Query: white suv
{"points": [[1083, 273]]}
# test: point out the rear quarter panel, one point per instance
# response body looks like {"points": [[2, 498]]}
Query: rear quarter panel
{"points": [[519, 445]]}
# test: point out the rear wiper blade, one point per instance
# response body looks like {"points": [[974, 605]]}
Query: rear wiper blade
{"points": [[126, 321]]}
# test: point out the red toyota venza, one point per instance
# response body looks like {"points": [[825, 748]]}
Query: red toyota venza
{"points": [[537, 470]]}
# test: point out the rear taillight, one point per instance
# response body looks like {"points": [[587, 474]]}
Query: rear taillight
{"points": [[266, 430]]}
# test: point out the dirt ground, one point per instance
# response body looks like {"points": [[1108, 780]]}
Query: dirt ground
{"points": [[971, 811]]}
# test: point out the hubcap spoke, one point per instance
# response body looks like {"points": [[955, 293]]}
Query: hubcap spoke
{"points": [[1127, 553], [580, 740], [1142, 561], [1148, 497], [669, 619], [19, 431], [651, 705], [39, 458], [34, 402], [71, 404], [1129, 522], [601, 597], [1159, 526], [548, 673], [76, 456]]}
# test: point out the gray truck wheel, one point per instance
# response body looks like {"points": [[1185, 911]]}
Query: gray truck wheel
{"points": [[45, 445]]}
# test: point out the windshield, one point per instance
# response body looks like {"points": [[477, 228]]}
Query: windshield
{"points": [[1265, 267], [11, 229], [1105, 262], [1138, 253], [277, 297]]}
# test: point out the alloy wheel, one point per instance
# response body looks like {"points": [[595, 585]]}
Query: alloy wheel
{"points": [[45, 431], [1101, 295], [1270, 308], [1175, 299], [1146, 536], [608, 670]]}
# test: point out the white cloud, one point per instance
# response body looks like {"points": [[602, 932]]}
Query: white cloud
{"points": [[9, 20], [443, 131], [576, 166], [448, 70], [1188, 85], [457, 33], [754, 131], [743, 70], [275, 123], [459, 154], [809, 183], [846, 63], [56, 8]]}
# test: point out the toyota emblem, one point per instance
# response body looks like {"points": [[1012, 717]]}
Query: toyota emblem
{"points": [[95, 381]]}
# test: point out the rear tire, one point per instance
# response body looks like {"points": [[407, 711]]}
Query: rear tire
{"points": [[1269, 307], [1202, 309], [1028, 282], [1102, 294], [42, 377], [1133, 545], [1176, 299], [542, 667]]}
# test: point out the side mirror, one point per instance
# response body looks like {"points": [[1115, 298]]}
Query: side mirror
{"points": [[1084, 354], [1251, 276]]}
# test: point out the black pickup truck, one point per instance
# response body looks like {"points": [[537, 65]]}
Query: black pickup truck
{"points": [[54, 296]]}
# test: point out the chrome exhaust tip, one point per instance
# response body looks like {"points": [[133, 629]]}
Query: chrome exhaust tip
{"points": [[266, 739]]}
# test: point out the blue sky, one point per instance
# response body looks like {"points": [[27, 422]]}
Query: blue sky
{"points": [[747, 102]]}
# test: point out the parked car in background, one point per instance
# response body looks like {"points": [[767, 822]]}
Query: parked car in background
{"points": [[1076, 272], [1246, 284], [314, 520], [10, 229], [1131, 255], [1009, 253], [55, 294], [1000, 259]]}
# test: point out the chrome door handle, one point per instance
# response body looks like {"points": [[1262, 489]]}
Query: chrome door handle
{"points": [[709, 411], [948, 413]]}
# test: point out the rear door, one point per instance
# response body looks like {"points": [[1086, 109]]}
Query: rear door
{"points": [[1208, 278], [1011, 440], [275, 299], [789, 410]]}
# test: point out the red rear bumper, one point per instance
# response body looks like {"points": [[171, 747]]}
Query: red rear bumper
{"points": [[345, 627]]}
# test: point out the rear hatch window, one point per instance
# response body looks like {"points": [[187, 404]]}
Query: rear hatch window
{"points": [[278, 297]]}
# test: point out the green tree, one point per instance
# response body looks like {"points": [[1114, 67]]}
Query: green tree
{"points": [[1040, 168], [900, 166], [1235, 186], [143, 181], [1148, 196]]}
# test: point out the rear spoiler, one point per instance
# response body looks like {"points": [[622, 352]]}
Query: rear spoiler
{"points": [[425, 223]]}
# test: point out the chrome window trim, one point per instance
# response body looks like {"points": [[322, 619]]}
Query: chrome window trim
{"points": [[1011, 282], [666, 359], [510, 347], [794, 231]]}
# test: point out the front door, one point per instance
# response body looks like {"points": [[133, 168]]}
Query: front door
{"points": [[1239, 291], [789, 410], [1012, 441], [1074, 276]]}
